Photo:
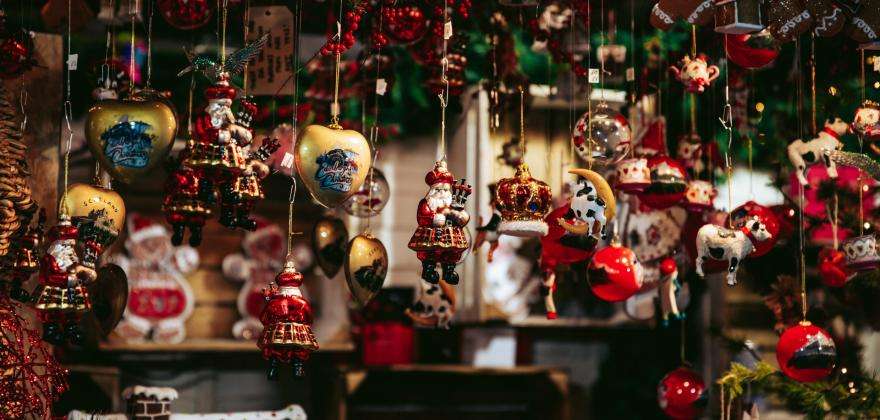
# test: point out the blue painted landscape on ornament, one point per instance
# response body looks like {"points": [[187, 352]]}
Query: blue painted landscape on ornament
{"points": [[127, 143]]}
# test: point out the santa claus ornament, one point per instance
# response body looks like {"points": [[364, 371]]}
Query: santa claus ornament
{"points": [[523, 201], [682, 394], [62, 296], [287, 336], [241, 195], [695, 73], [160, 300], [185, 205], [440, 238], [615, 273], [806, 353]]}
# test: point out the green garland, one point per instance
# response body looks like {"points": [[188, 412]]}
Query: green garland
{"points": [[844, 396]]}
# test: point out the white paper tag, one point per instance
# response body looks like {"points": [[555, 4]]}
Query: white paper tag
{"points": [[381, 87], [630, 74], [287, 160], [594, 76], [72, 60], [447, 30], [877, 63]]}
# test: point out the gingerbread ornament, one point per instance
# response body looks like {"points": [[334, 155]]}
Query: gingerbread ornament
{"points": [[865, 25], [697, 12], [828, 17], [788, 19]]}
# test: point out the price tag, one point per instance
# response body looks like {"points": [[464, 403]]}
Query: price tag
{"points": [[72, 60], [447, 30], [381, 87], [594, 76], [630, 74], [287, 160], [877, 63]]}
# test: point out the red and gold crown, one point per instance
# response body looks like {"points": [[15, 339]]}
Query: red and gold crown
{"points": [[439, 175], [523, 199]]}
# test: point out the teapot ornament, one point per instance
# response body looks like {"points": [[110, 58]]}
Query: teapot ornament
{"points": [[695, 73]]}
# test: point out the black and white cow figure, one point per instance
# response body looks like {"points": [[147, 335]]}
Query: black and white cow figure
{"points": [[435, 307], [801, 154], [720, 243], [593, 205]]}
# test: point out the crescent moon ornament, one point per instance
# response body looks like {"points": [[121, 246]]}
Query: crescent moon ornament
{"points": [[592, 205], [332, 162]]}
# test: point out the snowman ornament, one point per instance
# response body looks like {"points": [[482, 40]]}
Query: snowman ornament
{"points": [[160, 299]]}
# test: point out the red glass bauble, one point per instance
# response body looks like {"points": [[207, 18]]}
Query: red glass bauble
{"points": [[405, 24], [742, 214], [615, 273], [806, 353], [752, 51], [553, 251], [832, 267], [668, 183], [682, 394], [16, 57], [186, 14]]}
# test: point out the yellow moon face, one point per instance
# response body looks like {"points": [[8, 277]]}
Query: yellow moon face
{"points": [[333, 163], [602, 189], [365, 268]]}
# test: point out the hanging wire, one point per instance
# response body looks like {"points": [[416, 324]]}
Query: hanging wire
{"points": [[334, 111], [225, 16], [589, 84], [813, 121], [802, 272], [293, 186], [152, 8], [68, 115], [632, 51], [444, 96], [601, 47], [727, 123], [522, 123], [246, 19], [133, 7], [693, 96]]}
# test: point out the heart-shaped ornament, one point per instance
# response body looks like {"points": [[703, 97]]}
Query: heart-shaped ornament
{"points": [[365, 267], [130, 137], [101, 205], [329, 239], [333, 163]]}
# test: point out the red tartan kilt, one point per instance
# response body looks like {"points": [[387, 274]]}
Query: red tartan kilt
{"points": [[427, 238]]}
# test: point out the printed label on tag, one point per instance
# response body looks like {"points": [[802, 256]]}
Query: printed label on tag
{"points": [[287, 160], [877, 63], [630, 74], [594, 76], [72, 60], [381, 87], [447, 30]]}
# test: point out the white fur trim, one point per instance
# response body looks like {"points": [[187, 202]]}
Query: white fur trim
{"points": [[289, 291], [147, 232], [523, 228], [159, 393], [439, 219]]}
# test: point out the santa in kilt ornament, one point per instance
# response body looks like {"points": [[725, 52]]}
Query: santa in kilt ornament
{"points": [[440, 237], [287, 323], [62, 297], [185, 205], [247, 189]]}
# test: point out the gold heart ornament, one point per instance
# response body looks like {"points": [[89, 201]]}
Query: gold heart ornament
{"points": [[332, 162], [101, 205], [365, 268], [329, 241], [130, 137]]}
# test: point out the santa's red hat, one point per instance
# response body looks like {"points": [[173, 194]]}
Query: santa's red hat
{"points": [[289, 277], [221, 90], [439, 175], [141, 228], [63, 231]]}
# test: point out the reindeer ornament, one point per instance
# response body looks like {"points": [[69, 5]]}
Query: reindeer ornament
{"points": [[819, 149], [720, 243]]}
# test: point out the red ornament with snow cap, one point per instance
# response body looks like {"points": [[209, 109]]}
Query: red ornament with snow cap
{"points": [[668, 183], [806, 353], [682, 394]]}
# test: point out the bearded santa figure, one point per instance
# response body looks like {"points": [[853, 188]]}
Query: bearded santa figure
{"points": [[440, 237], [218, 141], [63, 297]]}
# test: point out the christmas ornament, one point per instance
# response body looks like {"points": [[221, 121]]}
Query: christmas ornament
{"points": [[489, 231], [690, 153], [435, 307], [130, 137], [682, 394], [696, 12], [185, 14], [602, 136], [404, 23], [370, 198], [217, 147], [788, 19], [234, 64], [329, 243], [559, 246], [615, 273], [263, 254], [738, 16], [699, 195], [160, 299], [456, 63], [654, 234], [62, 295], [338, 44], [16, 205], [695, 74], [523, 201], [832, 267], [668, 183], [829, 17], [554, 17], [25, 261], [866, 122], [632, 175], [440, 238], [287, 335], [333, 163], [806, 353], [817, 150], [729, 245], [184, 204], [97, 212], [16, 49], [751, 51], [745, 215], [365, 267], [109, 296], [592, 205], [669, 285], [32, 379], [239, 197], [864, 27], [861, 253]]}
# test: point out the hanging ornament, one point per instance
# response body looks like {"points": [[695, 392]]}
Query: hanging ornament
{"points": [[435, 307], [669, 287], [788, 19], [806, 353], [752, 51], [16, 49], [592, 205], [738, 16], [96, 212], [456, 64], [615, 273], [523, 201], [130, 137], [287, 324], [866, 122], [489, 231], [404, 23], [239, 197], [864, 27], [718, 243], [654, 234], [668, 183], [829, 17], [17, 207], [818, 150], [333, 163], [329, 243], [186, 14], [366, 266], [699, 195], [682, 394], [32, 379], [695, 12], [745, 215], [26, 260], [602, 136], [185, 205], [632, 175], [559, 246], [371, 198], [832, 267], [861, 253], [62, 297], [440, 238], [695, 74]]}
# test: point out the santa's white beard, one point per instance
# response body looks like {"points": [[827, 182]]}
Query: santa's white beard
{"points": [[439, 199], [64, 253], [220, 114]]}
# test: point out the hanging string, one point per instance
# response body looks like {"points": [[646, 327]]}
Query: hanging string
{"points": [[571, 82], [693, 96], [133, 7], [522, 123], [813, 121], [296, 50], [632, 51], [334, 109], [246, 19], [832, 211], [290, 199], [68, 115], [727, 123], [801, 232], [225, 15], [152, 8], [861, 150], [589, 84], [189, 104], [444, 96], [601, 47]]}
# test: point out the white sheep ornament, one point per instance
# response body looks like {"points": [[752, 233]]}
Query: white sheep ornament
{"points": [[721, 244]]}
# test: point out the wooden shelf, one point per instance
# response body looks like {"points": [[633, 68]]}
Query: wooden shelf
{"points": [[218, 345]]}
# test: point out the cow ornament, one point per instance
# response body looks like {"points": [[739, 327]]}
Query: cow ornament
{"points": [[720, 243]]}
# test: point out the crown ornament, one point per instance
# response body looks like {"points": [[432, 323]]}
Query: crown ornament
{"points": [[523, 202]]}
